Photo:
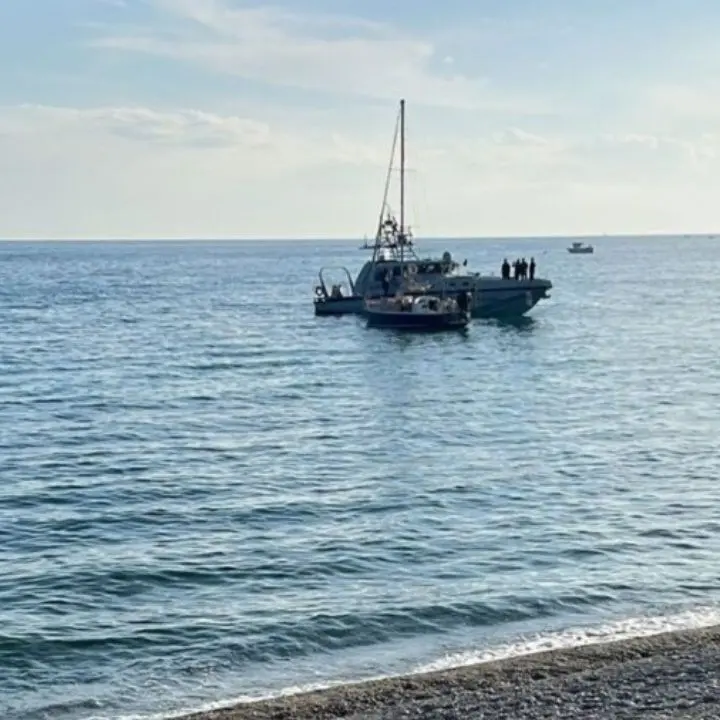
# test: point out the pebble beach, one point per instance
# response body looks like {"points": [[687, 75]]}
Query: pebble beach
{"points": [[671, 675]]}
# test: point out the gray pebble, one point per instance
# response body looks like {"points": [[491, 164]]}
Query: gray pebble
{"points": [[674, 675]]}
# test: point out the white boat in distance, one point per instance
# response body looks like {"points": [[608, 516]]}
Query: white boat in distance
{"points": [[578, 248]]}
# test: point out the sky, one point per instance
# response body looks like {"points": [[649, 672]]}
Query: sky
{"points": [[246, 119]]}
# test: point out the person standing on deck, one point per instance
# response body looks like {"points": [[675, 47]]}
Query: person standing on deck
{"points": [[532, 268], [523, 269], [386, 283]]}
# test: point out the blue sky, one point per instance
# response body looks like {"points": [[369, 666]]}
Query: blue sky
{"points": [[163, 118]]}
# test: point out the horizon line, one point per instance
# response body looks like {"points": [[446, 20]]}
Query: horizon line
{"points": [[484, 238]]}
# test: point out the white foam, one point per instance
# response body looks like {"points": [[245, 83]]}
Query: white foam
{"points": [[576, 637], [642, 626]]}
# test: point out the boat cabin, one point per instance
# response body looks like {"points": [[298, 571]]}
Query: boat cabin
{"points": [[432, 271]]}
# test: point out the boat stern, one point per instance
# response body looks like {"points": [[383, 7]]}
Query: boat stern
{"points": [[338, 298], [328, 306]]}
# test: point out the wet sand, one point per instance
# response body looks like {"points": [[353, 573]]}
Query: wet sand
{"points": [[674, 675]]}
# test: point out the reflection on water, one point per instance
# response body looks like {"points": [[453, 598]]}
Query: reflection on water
{"points": [[524, 323], [415, 338]]}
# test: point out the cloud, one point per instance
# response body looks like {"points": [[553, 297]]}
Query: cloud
{"points": [[688, 112], [149, 172], [316, 52], [681, 102], [514, 159], [190, 129], [183, 127], [143, 172]]}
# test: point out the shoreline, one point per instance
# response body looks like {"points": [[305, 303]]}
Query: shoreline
{"points": [[673, 674]]}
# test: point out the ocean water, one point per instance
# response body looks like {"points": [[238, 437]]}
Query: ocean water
{"points": [[209, 494]]}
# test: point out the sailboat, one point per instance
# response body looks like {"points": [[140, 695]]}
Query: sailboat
{"points": [[414, 305], [492, 295]]}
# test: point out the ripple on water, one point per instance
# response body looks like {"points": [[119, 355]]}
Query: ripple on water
{"points": [[208, 493]]}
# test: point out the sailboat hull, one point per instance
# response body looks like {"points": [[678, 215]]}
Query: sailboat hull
{"points": [[424, 322]]}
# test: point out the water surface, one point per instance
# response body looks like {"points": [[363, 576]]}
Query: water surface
{"points": [[209, 493]]}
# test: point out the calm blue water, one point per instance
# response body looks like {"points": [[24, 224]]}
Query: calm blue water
{"points": [[208, 493]]}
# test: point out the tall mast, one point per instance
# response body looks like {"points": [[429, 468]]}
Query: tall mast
{"points": [[402, 182], [383, 206]]}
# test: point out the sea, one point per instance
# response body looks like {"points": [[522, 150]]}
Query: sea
{"points": [[209, 495]]}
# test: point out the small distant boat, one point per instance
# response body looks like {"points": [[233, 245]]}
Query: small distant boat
{"points": [[578, 248]]}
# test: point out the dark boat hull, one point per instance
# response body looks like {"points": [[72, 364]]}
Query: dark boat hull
{"points": [[352, 304], [499, 299], [509, 299], [417, 321]]}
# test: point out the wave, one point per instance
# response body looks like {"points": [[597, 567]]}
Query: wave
{"points": [[619, 630]]}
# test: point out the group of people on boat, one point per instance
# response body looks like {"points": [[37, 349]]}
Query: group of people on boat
{"points": [[521, 269]]}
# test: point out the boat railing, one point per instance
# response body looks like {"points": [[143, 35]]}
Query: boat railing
{"points": [[321, 291]]}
